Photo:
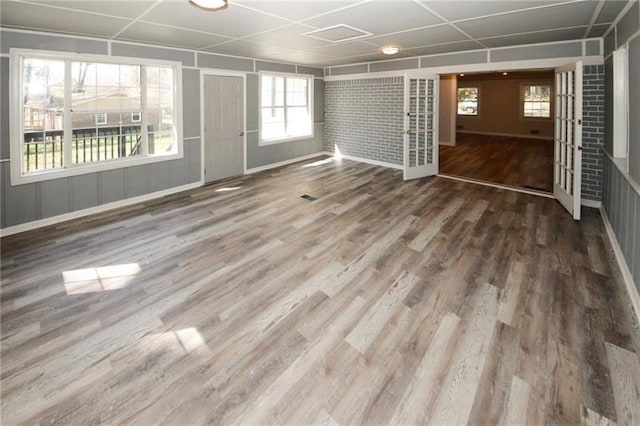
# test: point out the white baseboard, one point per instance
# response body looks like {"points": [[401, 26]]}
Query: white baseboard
{"points": [[23, 227], [286, 162], [591, 203], [373, 162], [632, 290], [447, 143], [510, 135]]}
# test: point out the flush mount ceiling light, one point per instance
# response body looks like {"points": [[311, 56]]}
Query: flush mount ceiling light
{"points": [[390, 50], [210, 4]]}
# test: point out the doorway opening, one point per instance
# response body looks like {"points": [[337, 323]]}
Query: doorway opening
{"points": [[498, 127]]}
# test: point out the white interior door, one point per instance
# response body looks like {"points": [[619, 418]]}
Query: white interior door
{"points": [[567, 170], [223, 99], [420, 125]]}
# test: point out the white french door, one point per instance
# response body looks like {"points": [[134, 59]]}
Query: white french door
{"points": [[420, 125], [567, 167]]}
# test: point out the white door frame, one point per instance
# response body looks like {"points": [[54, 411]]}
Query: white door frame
{"points": [[223, 73]]}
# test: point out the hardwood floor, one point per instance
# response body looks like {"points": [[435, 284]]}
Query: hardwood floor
{"points": [[521, 162], [383, 301]]}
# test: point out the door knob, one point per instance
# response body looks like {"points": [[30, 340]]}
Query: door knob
{"points": [[241, 134]]}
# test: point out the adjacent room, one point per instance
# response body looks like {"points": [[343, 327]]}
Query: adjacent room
{"points": [[319, 212], [500, 128]]}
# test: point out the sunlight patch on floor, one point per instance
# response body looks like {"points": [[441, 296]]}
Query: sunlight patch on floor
{"points": [[103, 278]]}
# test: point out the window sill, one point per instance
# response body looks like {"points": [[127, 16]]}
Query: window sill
{"points": [[18, 179], [284, 140]]}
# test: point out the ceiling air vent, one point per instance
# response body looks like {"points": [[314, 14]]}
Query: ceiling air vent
{"points": [[338, 33]]}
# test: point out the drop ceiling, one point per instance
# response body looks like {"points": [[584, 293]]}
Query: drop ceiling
{"points": [[275, 30]]}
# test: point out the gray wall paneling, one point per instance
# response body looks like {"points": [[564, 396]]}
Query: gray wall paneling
{"points": [[84, 191], [206, 60], [21, 40], [151, 52], [464, 58], [54, 197], [191, 103], [622, 204], [318, 100], [262, 155], [252, 97], [557, 50], [403, 64], [274, 66], [621, 199]]}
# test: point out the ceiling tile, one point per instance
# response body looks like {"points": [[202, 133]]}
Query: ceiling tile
{"points": [[169, 36], [114, 8], [44, 18], [246, 48], [301, 57], [232, 22], [455, 10], [554, 17], [297, 10], [290, 37], [540, 37], [444, 48], [598, 30], [351, 48], [379, 17], [423, 37], [610, 11]]}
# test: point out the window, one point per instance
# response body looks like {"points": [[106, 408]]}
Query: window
{"points": [[286, 105], [83, 113], [468, 100], [620, 106], [101, 118], [536, 100]]}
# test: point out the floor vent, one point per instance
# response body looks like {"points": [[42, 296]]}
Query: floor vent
{"points": [[308, 197]]}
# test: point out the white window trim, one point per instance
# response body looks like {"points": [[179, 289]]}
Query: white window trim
{"points": [[139, 117], [467, 86], [16, 117], [551, 103], [310, 79], [621, 107]]}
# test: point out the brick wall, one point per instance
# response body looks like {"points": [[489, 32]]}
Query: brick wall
{"points": [[592, 131], [364, 118]]}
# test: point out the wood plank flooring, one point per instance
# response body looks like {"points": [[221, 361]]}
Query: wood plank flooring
{"points": [[521, 162], [382, 302]]}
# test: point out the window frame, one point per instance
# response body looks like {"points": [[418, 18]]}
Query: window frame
{"points": [[106, 118], [523, 87], [139, 119], [469, 86], [620, 106], [16, 133], [310, 86]]}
